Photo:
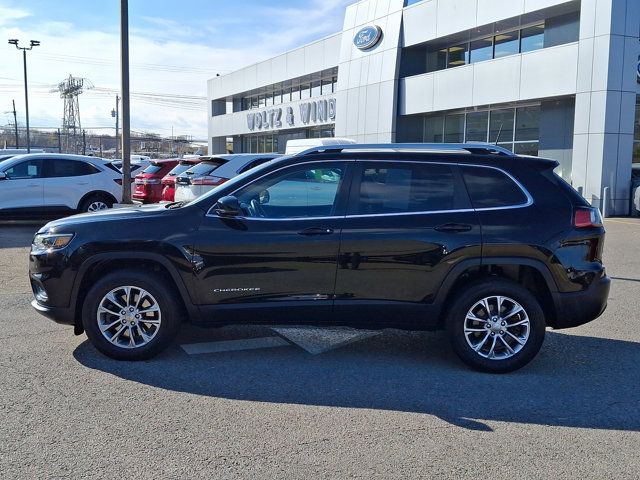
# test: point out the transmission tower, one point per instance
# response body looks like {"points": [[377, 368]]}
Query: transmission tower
{"points": [[70, 89]]}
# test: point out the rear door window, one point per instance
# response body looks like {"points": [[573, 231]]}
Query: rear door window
{"points": [[492, 188], [396, 188], [69, 168]]}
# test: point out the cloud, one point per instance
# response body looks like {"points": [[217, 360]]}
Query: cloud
{"points": [[11, 14], [166, 57]]}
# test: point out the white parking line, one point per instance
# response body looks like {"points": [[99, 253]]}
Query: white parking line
{"points": [[234, 345]]}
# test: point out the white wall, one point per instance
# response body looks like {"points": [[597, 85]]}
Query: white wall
{"points": [[605, 100]]}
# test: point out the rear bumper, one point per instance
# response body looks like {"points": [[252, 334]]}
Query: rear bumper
{"points": [[578, 308]]}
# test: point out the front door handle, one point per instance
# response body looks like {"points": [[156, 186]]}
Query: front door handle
{"points": [[453, 228], [307, 232]]}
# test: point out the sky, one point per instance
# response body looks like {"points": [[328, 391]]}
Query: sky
{"points": [[175, 47]]}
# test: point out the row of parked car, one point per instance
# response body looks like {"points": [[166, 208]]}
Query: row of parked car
{"points": [[43, 184], [188, 178]]}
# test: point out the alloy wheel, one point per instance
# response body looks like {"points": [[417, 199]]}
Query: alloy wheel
{"points": [[129, 317], [497, 327], [96, 206]]}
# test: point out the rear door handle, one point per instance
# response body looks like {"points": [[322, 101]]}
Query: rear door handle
{"points": [[307, 232], [453, 228]]}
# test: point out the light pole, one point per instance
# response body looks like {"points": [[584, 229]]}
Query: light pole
{"points": [[32, 43], [126, 126]]}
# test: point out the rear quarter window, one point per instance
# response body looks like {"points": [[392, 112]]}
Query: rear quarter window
{"points": [[491, 188]]}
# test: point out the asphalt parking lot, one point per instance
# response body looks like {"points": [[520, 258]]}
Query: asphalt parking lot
{"points": [[396, 405]]}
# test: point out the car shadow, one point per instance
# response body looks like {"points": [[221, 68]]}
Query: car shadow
{"points": [[576, 381]]}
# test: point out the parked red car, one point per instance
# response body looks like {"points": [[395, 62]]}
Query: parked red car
{"points": [[148, 183], [169, 181]]}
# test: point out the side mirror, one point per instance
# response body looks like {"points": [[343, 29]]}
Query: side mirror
{"points": [[3, 176], [228, 206]]}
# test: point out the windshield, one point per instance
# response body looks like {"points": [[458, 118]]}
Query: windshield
{"points": [[236, 182]]}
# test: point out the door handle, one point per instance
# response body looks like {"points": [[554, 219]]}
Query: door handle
{"points": [[453, 228], [307, 232]]}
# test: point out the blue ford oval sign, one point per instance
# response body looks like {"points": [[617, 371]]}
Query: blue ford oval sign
{"points": [[367, 37]]}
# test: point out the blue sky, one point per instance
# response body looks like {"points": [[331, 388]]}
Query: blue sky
{"points": [[175, 47]]}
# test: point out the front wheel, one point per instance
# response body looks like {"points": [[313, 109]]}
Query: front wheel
{"points": [[496, 326], [131, 315]]}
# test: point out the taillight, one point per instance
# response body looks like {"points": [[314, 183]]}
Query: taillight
{"points": [[587, 218], [210, 181]]}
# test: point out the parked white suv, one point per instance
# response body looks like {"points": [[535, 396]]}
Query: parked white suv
{"points": [[49, 183]]}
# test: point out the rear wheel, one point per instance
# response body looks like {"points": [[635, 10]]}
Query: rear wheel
{"points": [[496, 326], [131, 315], [96, 203]]}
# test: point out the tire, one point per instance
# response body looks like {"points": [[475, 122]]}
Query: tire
{"points": [[516, 341], [95, 203], [129, 337]]}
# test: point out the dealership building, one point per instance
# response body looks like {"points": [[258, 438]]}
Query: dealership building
{"points": [[558, 79]]}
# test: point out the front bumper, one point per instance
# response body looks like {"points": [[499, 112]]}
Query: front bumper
{"points": [[577, 308], [57, 314]]}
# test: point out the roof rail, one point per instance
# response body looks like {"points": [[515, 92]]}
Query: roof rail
{"points": [[476, 147]]}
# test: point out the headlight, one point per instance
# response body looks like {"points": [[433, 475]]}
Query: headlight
{"points": [[51, 241]]}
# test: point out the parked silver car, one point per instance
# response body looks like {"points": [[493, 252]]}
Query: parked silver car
{"points": [[214, 171]]}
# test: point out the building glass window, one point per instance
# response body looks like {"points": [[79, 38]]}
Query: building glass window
{"points": [[261, 101], [316, 89], [327, 87], [526, 148], [458, 55], [305, 91], [532, 38], [481, 50], [277, 97], [506, 44], [433, 129], [268, 100], [437, 60], [476, 129], [454, 128], [516, 129], [501, 126], [528, 123]]}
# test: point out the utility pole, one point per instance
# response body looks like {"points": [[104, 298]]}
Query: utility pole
{"points": [[59, 142], [116, 114], [32, 43], [15, 122], [84, 142], [126, 126]]}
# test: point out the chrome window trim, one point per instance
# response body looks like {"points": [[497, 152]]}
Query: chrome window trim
{"points": [[528, 203]]}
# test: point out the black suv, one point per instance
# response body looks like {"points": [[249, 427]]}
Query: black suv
{"points": [[469, 238]]}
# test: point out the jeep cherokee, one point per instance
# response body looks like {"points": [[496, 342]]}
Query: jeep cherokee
{"points": [[470, 238]]}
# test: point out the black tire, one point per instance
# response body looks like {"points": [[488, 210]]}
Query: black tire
{"points": [[97, 198], [170, 315], [470, 296]]}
